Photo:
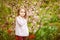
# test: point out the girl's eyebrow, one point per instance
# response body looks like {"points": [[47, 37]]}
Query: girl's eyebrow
{"points": [[22, 11]]}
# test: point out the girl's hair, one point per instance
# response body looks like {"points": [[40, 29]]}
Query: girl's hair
{"points": [[25, 12]]}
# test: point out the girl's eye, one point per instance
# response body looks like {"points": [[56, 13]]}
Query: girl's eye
{"points": [[22, 12]]}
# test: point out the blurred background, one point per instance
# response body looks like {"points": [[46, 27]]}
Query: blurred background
{"points": [[43, 21]]}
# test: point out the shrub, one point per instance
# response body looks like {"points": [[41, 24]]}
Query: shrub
{"points": [[46, 33]]}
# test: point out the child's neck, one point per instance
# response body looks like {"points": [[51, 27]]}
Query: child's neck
{"points": [[22, 17]]}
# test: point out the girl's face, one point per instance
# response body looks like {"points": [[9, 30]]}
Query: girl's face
{"points": [[22, 12]]}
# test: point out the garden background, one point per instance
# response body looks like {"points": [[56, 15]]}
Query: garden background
{"points": [[43, 21]]}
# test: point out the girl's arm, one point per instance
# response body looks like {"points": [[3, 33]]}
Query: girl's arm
{"points": [[19, 21]]}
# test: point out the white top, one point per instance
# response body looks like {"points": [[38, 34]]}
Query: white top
{"points": [[21, 28]]}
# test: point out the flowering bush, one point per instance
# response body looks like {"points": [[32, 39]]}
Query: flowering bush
{"points": [[40, 13]]}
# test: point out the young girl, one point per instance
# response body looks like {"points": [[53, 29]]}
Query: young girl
{"points": [[21, 28]]}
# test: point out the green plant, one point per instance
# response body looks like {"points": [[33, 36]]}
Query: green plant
{"points": [[46, 33], [6, 34]]}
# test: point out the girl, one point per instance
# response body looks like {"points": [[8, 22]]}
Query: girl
{"points": [[21, 29]]}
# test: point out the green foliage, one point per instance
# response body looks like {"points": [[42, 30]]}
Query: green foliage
{"points": [[46, 33], [5, 35], [47, 10], [54, 19]]}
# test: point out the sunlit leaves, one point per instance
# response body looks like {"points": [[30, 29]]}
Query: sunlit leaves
{"points": [[46, 32], [40, 12]]}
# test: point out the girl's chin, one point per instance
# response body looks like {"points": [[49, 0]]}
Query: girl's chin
{"points": [[22, 16]]}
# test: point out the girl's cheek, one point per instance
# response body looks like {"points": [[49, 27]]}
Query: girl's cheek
{"points": [[22, 14]]}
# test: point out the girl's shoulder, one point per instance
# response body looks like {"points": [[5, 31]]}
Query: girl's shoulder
{"points": [[17, 17]]}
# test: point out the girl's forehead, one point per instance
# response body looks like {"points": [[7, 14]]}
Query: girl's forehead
{"points": [[22, 10]]}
